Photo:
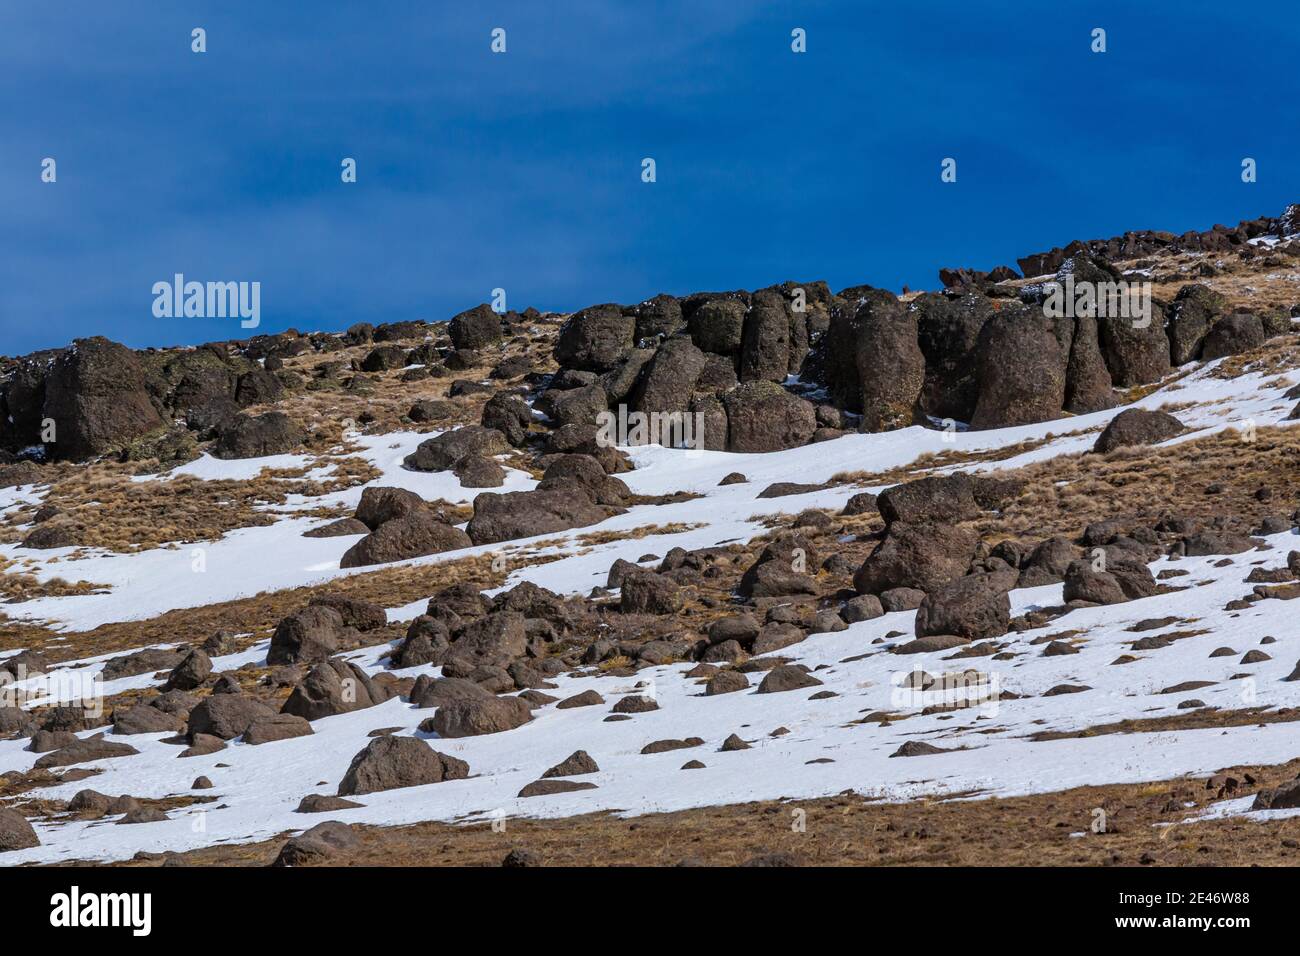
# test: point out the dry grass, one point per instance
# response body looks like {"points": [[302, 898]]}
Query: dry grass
{"points": [[258, 615], [1064, 494], [379, 405], [593, 538], [108, 510], [1200, 719], [17, 585], [932, 461]]}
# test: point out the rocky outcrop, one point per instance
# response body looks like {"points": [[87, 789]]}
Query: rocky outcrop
{"points": [[97, 397], [889, 361], [1021, 370]]}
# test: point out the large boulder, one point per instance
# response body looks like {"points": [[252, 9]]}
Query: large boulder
{"points": [[441, 452], [318, 844], [975, 607], [645, 592], [619, 381], [308, 636], [22, 403], [655, 318], [1239, 332], [333, 687], [1048, 562], [494, 640], [1021, 370], [388, 763], [1137, 426], [15, 832], [522, 514], [190, 672], [763, 416], [604, 489], [475, 328], [226, 715], [1087, 378], [718, 325], [576, 406], [484, 715], [595, 339], [765, 339], [669, 377], [410, 536], [246, 436], [144, 719], [1136, 353], [97, 395], [280, 726], [427, 641], [890, 364], [363, 615], [508, 414], [1195, 309], [921, 556], [947, 332], [941, 498], [378, 505]]}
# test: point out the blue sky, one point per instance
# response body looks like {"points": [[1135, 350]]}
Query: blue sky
{"points": [[522, 171]]}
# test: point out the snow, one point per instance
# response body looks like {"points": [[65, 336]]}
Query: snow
{"points": [[992, 753]]}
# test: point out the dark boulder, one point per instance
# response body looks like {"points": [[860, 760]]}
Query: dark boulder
{"points": [[935, 498], [255, 437], [487, 715], [1087, 378], [388, 763], [595, 339], [15, 832], [97, 393], [920, 556], [334, 687], [226, 715], [1195, 309], [765, 339], [669, 378], [522, 514], [947, 333], [378, 505], [1021, 369], [306, 637], [890, 363], [763, 416], [441, 452], [475, 328], [410, 536], [1137, 426], [645, 592], [1232, 334], [508, 414], [1136, 352], [975, 607]]}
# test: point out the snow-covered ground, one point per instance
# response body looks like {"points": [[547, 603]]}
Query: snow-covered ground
{"points": [[251, 560], [991, 753]]}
